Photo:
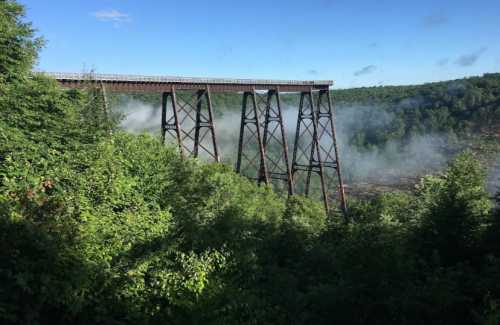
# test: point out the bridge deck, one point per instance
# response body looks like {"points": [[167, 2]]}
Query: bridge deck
{"points": [[133, 83]]}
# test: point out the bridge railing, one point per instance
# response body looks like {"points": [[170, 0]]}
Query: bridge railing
{"points": [[186, 80]]}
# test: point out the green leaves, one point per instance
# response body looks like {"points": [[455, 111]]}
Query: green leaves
{"points": [[18, 46], [119, 229], [454, 211]]}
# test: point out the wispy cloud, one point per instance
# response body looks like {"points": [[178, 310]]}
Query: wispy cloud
{"points": [[365, 70], [467, 60], [443, 62], [435, 20], [112, 15]]}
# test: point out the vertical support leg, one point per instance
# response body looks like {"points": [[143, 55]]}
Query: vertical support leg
{"points": [[164, 97], [328, 142], [317, 162], [298, 153], [204, 125], [170, 122], [197, 126], [263, 176], [212, 124], [306, 154], [275, 146], [250, 125], [242, 132], [173, 98], [105, 106]]}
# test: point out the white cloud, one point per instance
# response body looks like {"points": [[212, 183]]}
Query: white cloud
{"points": [[112, 15]]}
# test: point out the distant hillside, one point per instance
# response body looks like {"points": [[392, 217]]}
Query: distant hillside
{"points": [[389, 135], [462, 106], [372, 117]]}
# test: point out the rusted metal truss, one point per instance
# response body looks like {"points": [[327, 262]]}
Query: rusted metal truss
{"points": [[251, 156], [274, 139], [315, 149], [328, 147], [263, 150], [306, 152], [188, 118]]}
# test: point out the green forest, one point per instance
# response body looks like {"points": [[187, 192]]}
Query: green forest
{"points": [[422, 125], [389, 137], [459, 108], [99, 226]]}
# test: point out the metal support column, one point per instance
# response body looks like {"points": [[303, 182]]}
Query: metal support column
{"points": [[251, 162], [306, 152], [328, 146], [274, 140], [170, 118], [204, 125], [105, 106]]}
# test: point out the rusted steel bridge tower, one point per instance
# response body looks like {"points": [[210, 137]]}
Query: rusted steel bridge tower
{"points": [[263, 155]]}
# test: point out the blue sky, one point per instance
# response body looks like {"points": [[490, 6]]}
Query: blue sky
{"points": [[355, 43]]}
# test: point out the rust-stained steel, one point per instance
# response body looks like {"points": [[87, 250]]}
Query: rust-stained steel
{"points": [[264, 156], [187, 117], [251, 155], [274, 140], [204, 124], [170, 118], [306, 152], [189, 120], [195, 123], [130, 83], [328, 147]]}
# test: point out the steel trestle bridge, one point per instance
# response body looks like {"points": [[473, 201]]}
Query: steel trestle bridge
{"points": [[187, 118]]}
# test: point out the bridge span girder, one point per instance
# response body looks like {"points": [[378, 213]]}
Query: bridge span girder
{"points": [[135, 83]]}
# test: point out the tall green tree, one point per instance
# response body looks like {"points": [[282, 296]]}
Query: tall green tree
{"points": [[18, 46]]}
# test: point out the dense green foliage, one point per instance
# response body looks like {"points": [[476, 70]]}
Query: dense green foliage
{"points": [[118, 229], [18, 49], [460, 107]]}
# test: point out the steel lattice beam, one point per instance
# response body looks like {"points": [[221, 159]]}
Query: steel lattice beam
{"points": [[274, 141], [269, 161], [328, 147], [251, 154], [190, 121], [170, 118], [306, 152]]}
